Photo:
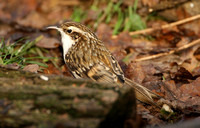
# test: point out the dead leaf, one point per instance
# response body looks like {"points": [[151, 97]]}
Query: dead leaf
{"points": [[193, 89], [4, 30], [135, 72], [9, 11], [35, 20], [188, 58], [192, 7], [65, 71], [150, 3], [196, 71], [183, 75], [104, 32], [51, 69], [124, 38], [171, 90], [12, 66], [31, 68], [48, 42]]}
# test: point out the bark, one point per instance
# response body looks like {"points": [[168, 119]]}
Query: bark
{"points": [[27, 100]]}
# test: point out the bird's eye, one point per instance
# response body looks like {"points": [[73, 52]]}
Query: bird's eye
{"points": [[69, 30]]}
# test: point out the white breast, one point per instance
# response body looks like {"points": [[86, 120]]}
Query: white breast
{"points": [[67, 43]]}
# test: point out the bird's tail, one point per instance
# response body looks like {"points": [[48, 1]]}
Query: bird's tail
{"points": [[143, 94]]}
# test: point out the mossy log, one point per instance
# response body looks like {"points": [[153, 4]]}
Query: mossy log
{"points": [[29, 100]]}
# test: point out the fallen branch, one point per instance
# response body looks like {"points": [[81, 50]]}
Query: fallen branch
{"points": [[30, 100], [195, 42], [149, 30]]}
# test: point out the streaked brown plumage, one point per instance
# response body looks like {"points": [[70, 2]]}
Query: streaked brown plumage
{"points": [[87, 57]]}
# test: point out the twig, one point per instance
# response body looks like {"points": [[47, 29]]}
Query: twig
{"points": [[170, 52], [148, 30]]}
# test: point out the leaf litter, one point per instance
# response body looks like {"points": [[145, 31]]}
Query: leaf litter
{"points": [[163, 61]]}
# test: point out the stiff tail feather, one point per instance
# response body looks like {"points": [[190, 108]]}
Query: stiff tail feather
{"points": [[143, 94]]}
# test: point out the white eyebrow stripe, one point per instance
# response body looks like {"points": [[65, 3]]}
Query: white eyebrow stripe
{"points": [[80, 31], [76, 29]]}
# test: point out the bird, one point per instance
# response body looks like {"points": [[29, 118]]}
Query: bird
{"points": [[87, 57]]}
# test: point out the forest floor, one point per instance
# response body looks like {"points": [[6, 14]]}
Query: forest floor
{"points": [[157, 46]]}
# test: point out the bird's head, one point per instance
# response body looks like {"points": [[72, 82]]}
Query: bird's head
{"points": [[71, 33]]}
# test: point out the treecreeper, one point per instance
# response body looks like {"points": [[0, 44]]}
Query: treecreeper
{"points": [[87, 57]]}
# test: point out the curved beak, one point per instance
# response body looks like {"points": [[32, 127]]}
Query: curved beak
{"points": [[54, 27]]}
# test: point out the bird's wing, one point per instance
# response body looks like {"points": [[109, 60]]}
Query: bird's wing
{"points": [[101, 73], [104, 60]]}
